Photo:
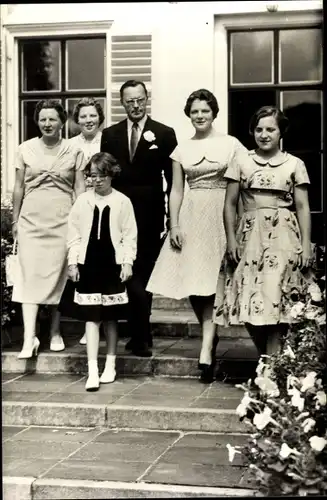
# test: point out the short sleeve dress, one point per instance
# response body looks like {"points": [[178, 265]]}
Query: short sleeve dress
{"points": [[42, 222], [194, 270], [260, 290]]}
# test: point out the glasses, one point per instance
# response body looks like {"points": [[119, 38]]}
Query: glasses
{"points": [[94, 177], [140, 101]]}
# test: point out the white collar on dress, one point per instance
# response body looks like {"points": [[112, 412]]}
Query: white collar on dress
{"points": [[96, 139], [280, 158]]}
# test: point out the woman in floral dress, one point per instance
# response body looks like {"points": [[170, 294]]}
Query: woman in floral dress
{"points": [[269, 250]]}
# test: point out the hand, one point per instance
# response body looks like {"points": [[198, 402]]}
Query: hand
{"points": [[304, 259], [73, 273], [176, 238], [14, 230], [126, 272], [233, 252]]}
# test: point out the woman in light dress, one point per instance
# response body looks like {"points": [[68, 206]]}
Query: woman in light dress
{"points": [[190, 259], [269, 250], [89, 116], [49, 170]]}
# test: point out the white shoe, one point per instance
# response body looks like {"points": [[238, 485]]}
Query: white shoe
{"points": [[93, 382], [83, 340], [29, 353], [57, 343], [108, 376]]}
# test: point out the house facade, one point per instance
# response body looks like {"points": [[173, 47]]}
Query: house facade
{"points": [[249, 53]]}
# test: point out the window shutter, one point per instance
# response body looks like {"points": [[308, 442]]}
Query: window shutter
{"points": [[130, 60]]}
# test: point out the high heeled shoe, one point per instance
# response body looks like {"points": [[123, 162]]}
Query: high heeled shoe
{"points": [[208, 371], [28, 353]]}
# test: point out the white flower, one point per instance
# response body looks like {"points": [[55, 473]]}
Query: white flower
{"points": [[241, 410], [321, 319], [308, 424], [315, 292], [312, 313], [267, 386], [321, 399], [291, 380], [317, 443], [309, 381], [296, 398], [286, 451], [296, 310], [232, 452], [260, 420], [149, 136], [289, 352]]}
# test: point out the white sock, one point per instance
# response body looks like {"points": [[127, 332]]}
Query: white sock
{"points": [[93, 366], [110, 361]]}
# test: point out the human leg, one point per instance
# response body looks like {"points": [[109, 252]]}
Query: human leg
{"points": [[92, 349], [203, 308], [258, 336], [138, 318], [111, 334], [31, 342], [276, 334], [56, 340]]}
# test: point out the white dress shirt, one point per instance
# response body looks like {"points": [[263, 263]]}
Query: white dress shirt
{"points": [[140, 127]]}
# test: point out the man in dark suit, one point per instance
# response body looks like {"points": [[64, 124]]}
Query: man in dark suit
{"points": [[142, 147]]}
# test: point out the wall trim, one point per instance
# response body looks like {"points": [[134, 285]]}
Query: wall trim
{"points": [[271, 19], [58, 27]]}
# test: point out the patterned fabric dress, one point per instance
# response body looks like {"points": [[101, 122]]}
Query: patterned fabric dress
{"points": [[194, 269], [259, 290], [42, 222]]}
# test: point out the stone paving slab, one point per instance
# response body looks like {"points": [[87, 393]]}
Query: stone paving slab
{"points": [[132, 456]]}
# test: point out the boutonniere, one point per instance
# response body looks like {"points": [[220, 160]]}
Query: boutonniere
{"points": [[149, 136]]}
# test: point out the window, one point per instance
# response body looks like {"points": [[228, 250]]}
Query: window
{"points": [[282, 67], [64, 69]]}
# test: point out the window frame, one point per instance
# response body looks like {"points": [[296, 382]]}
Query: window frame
{"points": [[63, 94], [278, 87]]}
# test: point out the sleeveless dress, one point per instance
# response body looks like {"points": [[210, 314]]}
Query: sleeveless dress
{"points": [[260, 289], [42, 222], [194, 270]]}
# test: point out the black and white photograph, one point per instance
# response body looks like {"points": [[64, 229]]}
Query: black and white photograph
{"points": [[163, 303]]}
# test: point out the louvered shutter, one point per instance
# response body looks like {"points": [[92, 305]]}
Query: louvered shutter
{"points": [[130, 60]]}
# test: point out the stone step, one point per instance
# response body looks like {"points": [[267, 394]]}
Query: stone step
{"points": [[161, 302], [171, 358], [53, 462], [130, 402]]}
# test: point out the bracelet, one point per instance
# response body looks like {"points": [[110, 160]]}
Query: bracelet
{"points": [[176, 225]]}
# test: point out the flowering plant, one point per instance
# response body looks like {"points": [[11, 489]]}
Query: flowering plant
{"points": [[7, 309], [285, 406]]}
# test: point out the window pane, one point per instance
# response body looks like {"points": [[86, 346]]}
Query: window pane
{"points": [[301, 55], [41, 65], [303, 109], [243, 104], [71, 127], [252, 57], [85, 62]]}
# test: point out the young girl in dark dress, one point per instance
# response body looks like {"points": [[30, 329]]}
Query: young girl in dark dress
{"points": [[102, 237]]}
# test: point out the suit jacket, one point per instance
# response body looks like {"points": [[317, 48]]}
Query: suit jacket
{"points": [[141, 179]]}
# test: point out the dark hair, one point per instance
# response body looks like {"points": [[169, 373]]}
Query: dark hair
{"points": [[202, 95], [50, 104], [132, 83], [105, 163], [88, 101], [281, 119]]}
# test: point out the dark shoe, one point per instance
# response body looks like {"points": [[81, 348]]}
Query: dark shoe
{"points": [[207, 373], [129, 346], [142, 351]]}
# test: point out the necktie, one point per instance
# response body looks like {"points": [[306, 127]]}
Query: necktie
{"points": [[134, 140]]}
